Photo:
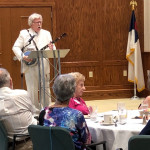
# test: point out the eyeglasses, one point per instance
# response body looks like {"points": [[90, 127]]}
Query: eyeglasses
{"points": [[39, 22]]}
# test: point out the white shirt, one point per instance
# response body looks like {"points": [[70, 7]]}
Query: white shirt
{"points": [[41, 39], [16, 111]]}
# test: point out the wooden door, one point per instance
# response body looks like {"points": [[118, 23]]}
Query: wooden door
{"points": [[18, 21], [5, 39]]}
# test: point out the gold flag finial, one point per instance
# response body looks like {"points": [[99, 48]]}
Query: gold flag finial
{"points": [[133, 3]]}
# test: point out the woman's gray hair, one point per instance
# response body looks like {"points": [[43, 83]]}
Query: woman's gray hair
{"points": [[64, 87], [34, 16], [4, 77]]}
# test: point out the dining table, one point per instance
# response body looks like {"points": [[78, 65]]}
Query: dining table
{"points": [[116, 134]]}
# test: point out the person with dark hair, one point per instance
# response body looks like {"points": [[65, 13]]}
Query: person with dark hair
{"points": [[27, 41], [16, 109], [61, 115]]}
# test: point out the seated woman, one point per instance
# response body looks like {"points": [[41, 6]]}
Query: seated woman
{"points": [[76, 102], [61, 115]]}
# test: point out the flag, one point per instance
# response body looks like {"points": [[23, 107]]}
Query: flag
{"points": [[133, 55]]}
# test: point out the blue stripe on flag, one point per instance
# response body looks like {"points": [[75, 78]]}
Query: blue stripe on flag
{"points": [[133, 26]]}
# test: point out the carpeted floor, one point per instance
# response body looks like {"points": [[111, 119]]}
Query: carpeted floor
{"points": [[111, 104]]}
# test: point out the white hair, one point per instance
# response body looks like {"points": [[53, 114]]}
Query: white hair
{"points": [[32, 17]]}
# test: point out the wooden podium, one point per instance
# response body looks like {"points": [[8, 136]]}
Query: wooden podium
{"points": [[59, 53]]}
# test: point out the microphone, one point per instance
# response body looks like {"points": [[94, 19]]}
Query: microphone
{"points": [[32, 37], [58, 38]]}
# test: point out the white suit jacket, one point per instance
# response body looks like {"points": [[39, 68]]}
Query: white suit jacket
{"points": [[41, 39]]}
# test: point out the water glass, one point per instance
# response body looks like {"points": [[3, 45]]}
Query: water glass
{"points": [[93, 117], [144, 106], [93, 112], [122, 116]]}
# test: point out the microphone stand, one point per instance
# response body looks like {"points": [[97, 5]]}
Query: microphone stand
{"points": [[41, 50], [43, 78], [55, 65], [38, 58]]}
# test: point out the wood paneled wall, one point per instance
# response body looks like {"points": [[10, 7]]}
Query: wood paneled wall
{"points": [[97, 33], [97, 36]]}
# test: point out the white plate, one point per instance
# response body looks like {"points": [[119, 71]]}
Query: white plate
{"points": [[106, 124]]}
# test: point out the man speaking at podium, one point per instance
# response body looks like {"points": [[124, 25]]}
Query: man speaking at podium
{"points": [[32, 39]]}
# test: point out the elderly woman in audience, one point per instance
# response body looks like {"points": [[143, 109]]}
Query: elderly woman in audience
{"points": [[76, 102], [61, 115]]}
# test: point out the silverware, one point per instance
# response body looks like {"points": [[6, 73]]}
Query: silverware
{"points": [[115, 120]]}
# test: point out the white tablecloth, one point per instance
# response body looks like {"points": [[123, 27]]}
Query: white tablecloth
{"points": [[116, 137]]}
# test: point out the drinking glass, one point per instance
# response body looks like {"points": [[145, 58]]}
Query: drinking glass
{"points": [[144, 106], [122, 116], [93, 112], [122, 112]]}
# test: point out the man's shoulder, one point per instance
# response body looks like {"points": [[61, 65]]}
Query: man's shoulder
{"points": [[6, 93], [20, 91], [24, 31]]}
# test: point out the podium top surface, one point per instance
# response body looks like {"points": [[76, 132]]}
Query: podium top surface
{"points": [[49, 53]]}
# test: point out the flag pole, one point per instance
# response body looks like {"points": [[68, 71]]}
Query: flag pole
{"points": [[135, 97], [133, 3]]}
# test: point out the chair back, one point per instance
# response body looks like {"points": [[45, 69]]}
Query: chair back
{"points": [[3, 137], [50, 138], [139, 142]]}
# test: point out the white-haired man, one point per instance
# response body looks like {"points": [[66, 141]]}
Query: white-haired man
{"points": [[41, 39]]}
